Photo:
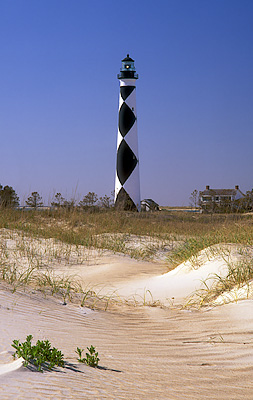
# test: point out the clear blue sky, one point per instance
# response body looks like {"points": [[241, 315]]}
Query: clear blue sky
{"points": [[59, 95]]}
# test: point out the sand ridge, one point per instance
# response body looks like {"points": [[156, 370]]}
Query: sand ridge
{"points": [[150, 353]]}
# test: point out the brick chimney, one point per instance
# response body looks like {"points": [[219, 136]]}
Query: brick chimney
{"points": [[236, 187], [207, 187]]}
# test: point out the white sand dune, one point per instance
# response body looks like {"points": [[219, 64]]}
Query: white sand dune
{"points": [[173, 287], [119, 275], [145, 352], [176, 285], [10, 366]]}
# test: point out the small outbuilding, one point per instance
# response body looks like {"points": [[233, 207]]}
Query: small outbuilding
{"points": [[149, 205]]}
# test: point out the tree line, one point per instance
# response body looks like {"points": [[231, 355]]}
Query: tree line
{"points": [[9, 199]]}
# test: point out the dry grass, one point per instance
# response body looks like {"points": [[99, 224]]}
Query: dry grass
{"points": [[78, 227], [225, 289]]}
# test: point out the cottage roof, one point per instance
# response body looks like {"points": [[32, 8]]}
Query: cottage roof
{"points": [[220, 192], [150, 202]]}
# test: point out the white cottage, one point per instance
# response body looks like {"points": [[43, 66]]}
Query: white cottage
{"points": [[219, 197]]}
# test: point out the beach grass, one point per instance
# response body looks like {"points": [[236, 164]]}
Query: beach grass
{"points": [[226, 289], [80, 227]]}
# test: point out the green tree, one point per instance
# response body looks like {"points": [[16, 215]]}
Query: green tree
{"points": [[8, 197], [34, 201], [246, 202], [105, 201], [69, 204], [58, 200], [89, 200]]}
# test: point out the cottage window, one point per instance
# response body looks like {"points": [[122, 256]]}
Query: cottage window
{"points": [[226, 198], [206, 198]]}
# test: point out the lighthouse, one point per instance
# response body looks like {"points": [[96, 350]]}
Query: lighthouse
{"points": [[127, 182]]}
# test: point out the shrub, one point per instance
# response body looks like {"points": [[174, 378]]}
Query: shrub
{"points": [[41, 355], [91, 358]]}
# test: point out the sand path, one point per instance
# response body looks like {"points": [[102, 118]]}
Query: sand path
{"points": [[122, 277], [146, 353]]}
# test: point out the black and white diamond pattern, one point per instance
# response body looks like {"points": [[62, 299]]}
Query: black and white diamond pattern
{"points": [[126, 162], [127, 185], [126, 119], [125, 91]]}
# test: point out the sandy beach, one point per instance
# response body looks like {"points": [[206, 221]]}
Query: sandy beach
{"points": [[163, 352]]}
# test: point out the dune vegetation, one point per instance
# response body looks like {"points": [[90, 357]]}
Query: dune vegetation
{"points": [[74, 234]]}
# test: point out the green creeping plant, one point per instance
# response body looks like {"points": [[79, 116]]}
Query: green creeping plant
{"points": [[91, 358], [41, 355]]}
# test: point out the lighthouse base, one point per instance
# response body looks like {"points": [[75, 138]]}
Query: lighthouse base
{"points": [[124, 202]]}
